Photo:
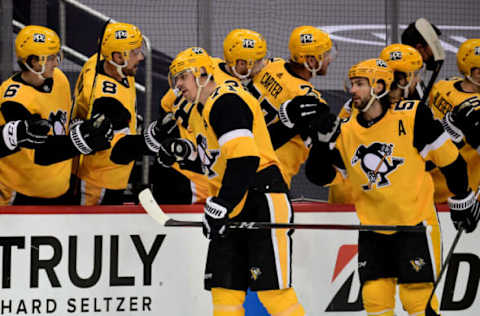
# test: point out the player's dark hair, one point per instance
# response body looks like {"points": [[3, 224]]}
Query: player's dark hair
{"points": [[411, 36], [397, 76], [29, 61], [385, 100]]}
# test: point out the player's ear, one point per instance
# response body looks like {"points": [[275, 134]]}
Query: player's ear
{"points": [[311, 62], [379, 87], [117, 58], [32, 61]]}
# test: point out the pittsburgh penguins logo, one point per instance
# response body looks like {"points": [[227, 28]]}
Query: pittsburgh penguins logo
{"points": [[417, 264], [39, 38], [397, 55], [248, 43], [121, 34], [381, 63], [197, 50], [207, 157], [306, 38], [58, 121], [376, 162], [476, 50]]}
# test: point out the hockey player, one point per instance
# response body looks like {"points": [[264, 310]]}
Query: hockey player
{"points": [[245, 184], [406, 63], [114, 96], [244, 53], [427, 44], [36, 101], [457, 102], [288, 99], [383, 150]]}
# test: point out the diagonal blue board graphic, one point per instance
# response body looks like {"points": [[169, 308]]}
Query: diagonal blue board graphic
{"points": [[253, 306]]}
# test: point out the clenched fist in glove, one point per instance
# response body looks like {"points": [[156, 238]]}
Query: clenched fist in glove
{"points": [[300, 110], [324, 129], [159, 130], [31, 133], [92, 135], [215, 218], [467, 118], [173, 150], [465, 211]]}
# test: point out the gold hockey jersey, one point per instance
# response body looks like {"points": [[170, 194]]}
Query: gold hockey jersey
{"points": [[389, 183], [182, 110], [18, 172], [214, 152], [272, 86], [445, 95], [97, 168]]}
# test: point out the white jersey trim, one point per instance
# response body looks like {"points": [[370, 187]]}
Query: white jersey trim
{"points": [[437, 143], [236, 133], [433, 258]]}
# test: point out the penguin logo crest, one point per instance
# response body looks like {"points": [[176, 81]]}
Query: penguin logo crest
{"points": [[377, 162]]}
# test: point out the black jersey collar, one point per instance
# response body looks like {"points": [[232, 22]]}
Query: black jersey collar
{"points": [[364, 123], [45, 87], [288, 67], [101, 70]]}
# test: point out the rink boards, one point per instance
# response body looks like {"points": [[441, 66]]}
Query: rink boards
{"points": [[118, 261]]}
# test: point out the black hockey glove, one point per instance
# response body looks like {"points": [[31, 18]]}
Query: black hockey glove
{"points": [[450, 126], [31, 133], [324, 128], [464, 211], [173, 150], [159, 130], [467, 118], [300, 110], [215, 218], [92, 135]]}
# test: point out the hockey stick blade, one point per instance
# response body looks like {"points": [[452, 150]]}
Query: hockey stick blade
{"points": [[153, 209], [429, 311], [431, 37]]}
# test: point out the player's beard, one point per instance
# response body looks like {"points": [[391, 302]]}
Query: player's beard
{"points": [[360, 103]]}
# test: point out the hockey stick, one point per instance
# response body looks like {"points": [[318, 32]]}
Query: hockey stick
{"points": [[73, 112], [430, 36], [153, 209], [97, 63], [428, 309]]}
